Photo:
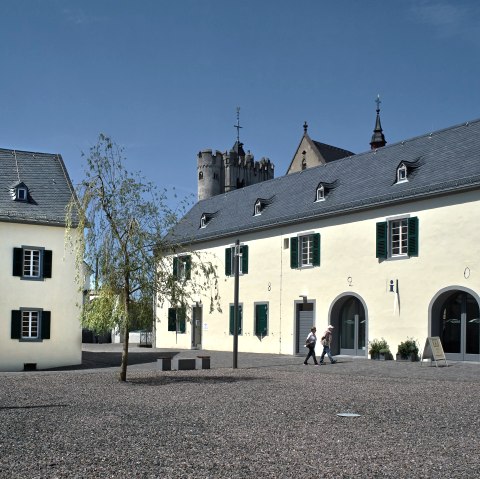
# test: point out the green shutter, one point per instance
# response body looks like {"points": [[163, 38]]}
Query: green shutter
{"points": [[17, 261], [413, 236], [293, 253], [228, 261], [244, 251], [47, 264], [381, 249], [181, 315], [45, 325], [316, 249], [175, 267], [188, 267], [16, 331], [172, 319], [232, 308], [261, 319]]}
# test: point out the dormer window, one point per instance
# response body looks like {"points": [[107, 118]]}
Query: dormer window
{"points": [[258, 208], [261, 204], [402, 173], [205, 219], [19, 192], [320, 193]]}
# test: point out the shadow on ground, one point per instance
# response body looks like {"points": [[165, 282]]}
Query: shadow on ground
{"points": [[98, 360]]}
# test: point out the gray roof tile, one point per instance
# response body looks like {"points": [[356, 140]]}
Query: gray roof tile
{"points": [[48, 183], [447, 161]]}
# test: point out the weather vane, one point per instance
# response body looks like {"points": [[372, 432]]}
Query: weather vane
{"points": [[237, 126]]}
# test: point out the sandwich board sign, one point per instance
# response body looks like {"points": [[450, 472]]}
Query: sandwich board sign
{"points": [[434, 350]]}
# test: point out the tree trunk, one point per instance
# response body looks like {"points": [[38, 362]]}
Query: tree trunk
{"points": [[126, 324]]}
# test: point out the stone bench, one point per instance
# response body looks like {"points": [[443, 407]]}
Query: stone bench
{"points": [[183, 364]]}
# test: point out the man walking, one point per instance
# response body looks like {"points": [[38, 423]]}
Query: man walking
{"points": [[326, 342]]}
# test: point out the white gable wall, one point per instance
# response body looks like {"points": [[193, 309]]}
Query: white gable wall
{"points": [[58, 294]]}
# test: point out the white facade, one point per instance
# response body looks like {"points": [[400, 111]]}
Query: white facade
{"points": [[56, 298], [433, 293]]}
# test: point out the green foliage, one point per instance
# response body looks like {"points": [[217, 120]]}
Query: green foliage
{"points": [[379, 346], [407, 348], [124, 220]]}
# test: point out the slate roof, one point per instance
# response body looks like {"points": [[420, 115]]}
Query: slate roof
{"points": [[331, 153], [446, 161], [48, 183]]}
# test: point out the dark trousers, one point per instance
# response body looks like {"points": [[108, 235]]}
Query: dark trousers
{"points": [[311, 353]]}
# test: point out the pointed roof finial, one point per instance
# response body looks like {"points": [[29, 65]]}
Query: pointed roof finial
{"points": [[378, 138], [237, 126], [305, 128]]}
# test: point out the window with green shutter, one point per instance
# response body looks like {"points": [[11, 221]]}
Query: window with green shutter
{"points": [[305, 251], [381, 244], [240, 318], [182, 266], [397, 238], [30, 324], [177, 320], [32, 263], [230, 258], [261, 319]]}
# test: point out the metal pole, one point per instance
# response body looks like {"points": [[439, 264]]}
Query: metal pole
{"points": [[235, 303]]}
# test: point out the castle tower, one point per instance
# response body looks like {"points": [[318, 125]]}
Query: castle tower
{"points": [[234, 169], [378, 138], [210, 174]]}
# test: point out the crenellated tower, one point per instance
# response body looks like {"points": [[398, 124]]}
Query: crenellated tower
{"points": [[220, 173]]}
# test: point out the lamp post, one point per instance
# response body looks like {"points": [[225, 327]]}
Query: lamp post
{"points": [[236, 260]]}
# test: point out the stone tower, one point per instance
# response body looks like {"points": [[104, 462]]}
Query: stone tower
{"points": [[220, 173]]}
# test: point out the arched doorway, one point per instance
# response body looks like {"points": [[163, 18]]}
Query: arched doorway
{"points": [[350, 321], [455, 318]]}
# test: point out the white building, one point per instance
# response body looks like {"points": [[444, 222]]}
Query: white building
{"points": [[39, 298], [378, 244]]}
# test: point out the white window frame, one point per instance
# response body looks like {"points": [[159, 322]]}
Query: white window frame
{"points": [[320, 193], [30, 324], [232, 260], [182, 266], [32, 263], [399, 237], [203, 221], [258, 208], [402, 174], [305, 251], [22, 194]]}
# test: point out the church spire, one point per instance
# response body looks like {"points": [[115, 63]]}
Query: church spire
{"points": [[378, 138]]}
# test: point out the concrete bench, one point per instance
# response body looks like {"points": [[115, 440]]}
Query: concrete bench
{"points": [[203, 362], [164, 364], [183, 364]]}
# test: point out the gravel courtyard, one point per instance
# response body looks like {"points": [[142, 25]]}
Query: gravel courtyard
{"points": [[272, 418]]}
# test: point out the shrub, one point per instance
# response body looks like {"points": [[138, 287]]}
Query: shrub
{"points": [[408, 348], [377, 347]]}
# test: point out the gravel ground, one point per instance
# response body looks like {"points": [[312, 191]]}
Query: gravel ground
{"points": [[415, 421]]}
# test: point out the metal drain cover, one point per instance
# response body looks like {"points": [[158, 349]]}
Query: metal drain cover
{"points": [[348, 414]]}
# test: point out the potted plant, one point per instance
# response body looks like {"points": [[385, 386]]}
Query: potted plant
{"points": [[379, 349], [408, 350]]}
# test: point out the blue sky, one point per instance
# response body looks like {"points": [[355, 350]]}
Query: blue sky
{"points": [[164, 77]]}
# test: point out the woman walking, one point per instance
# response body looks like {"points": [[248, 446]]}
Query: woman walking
{"points": [[310, 344]]}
